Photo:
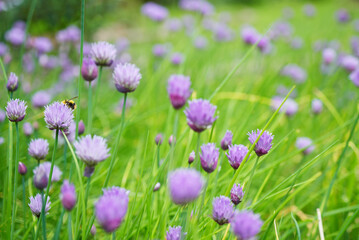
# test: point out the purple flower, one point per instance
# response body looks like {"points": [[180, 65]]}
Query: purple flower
{"points": [[290, 107], [200, 6], [68, 195], [309, 10], [179, 90], [81, 127], [2, 115], [154, 11], [3, 49], [177, 58], [56, 173], [16, 36], [185, 185], [22, 169], [159, 139], [191, 157], [175, 233], [237, 194], [200, 114], [246, 225], [236, 154], [40, 178], [317, 106], [173, 24], [38, 148], [160, 50], [305, 144], [157, 187], [354, 77], [329, 55], [296, 73], [36, 205], [350, 63], [70, 34], [126, 77], [91, 150], [296, 43], [249, 35], [226, 140], [342, 15], [28, 129], [264, 45], [209, 157], [103, 53], [42, 45], [16, 110], [89, 69], [200, 42], [122, 44], [264, 143], [222, 210], [48, 62], [222, 33], [93, 230], [172, 140], [12, 82], [111, 208], [58, 116]]}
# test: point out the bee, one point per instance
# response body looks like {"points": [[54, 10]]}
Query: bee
{"points": [[70, 103]]}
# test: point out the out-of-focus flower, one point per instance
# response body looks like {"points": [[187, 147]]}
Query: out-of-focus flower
{"points": [[236, 154], [237, 194], [329, 55], [264, 143], [179, 90], [209, 157], [201, 6], [290, 107], [160, 50], [317, 106], [342, 15], [126, 77], [81, 128], [159, 139], [42, 45], [249, 35], [40, 178], [40, 99], [200, 114], [16, 110], [200, 42], [122, 45], [28, 129], [36, 205], [89, 69], [15, 36], [226, 140], [154, 11], [173, 24], [56, 173], [2, 115], [172, 140], [296, 43], [157, 187], [68, 195], [191, 157], [309, 10], [3, 49], [354, 77], [185, 185], [12, 82], [350, 63], [305, 144], [177, 58], [175, 233], [246, 225], [296, 73], [48, 62]]}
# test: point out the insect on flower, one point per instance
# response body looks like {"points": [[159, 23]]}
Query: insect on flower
{"points": [[70, 103]]}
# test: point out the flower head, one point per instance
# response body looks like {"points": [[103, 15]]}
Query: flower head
{"points": [[209, 157], [264, 143], [317, 106], [22, 169], [246, 225], [222, 210], [200, 114], [89, 69], [40, 178], [177, 58], [154, 11], [56, 173], [157, 187], [342, 15], [185, 185], [81, 127], [236, 154], [36, 205], [103, 53], [28, 129], [305, 144], [226, 140], [175, 233], [354, 77], [179, 90], [58, 116], [159, 139], [38, 148], [296, 73], [126, 77], [329, 55], [12, 82], [191, 157], [237, 194], [350, 63], [160, 50], [2, 115], [68, 195], [111, 208], [40, 99], [16, 110], [42, 44]]}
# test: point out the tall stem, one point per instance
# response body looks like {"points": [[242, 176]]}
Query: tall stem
{"points": [[203, 196], [175, 126], [9, 179], [89, 116], [113, 157], [43, 214], [197, 151], [98, 87], [87, 190], [52, 163], [251, 176], [69, 228], [15, 181], [65, 157], [59, 224], [24, 200]]}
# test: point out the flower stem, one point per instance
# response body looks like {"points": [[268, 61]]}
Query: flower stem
{"points": [[69, 228], [251, 176], [43, 214], [158, 155], [89, 116], [117, 141], [24, 200], [175, 126], [87, 190], [98, 87], [52, 163], [7, 209], [13, 215], [203, 196], [65, 158], [114, 235], [59, 224], [197, 152]]}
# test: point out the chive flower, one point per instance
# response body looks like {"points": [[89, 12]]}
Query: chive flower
{"points": [[36, 205], [89, 69], [40, 99], [200, 114], [16, 110], [38, 148], [179, 90], [237, 194], [264, 143], [12, 82], [58, 116], [22, 169], [126, 77], [28, 129], [209, 157], [56, 173], [223, 210], [236, 154], [305, 144], [226, 140], [103, 53], [246, 225], [175, 233], [68, 195]]}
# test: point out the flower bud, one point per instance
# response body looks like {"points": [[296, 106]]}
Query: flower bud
{"points": [[89, 69], [191, 157], [81, 129], [40, 178], [172, 140], [159, 139], [68, 195], [157, 187], [12, 83], [22, 168]]}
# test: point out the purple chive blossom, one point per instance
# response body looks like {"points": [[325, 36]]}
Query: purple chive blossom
{"points": [[264, 45], [2, 115], [40, 99], [201, 6], [173, 24], [354, 77], [159, 139], [58, 116], [22, 169], [81, 127], [200, 114], [126, 77], [290, 107], [16, 110], [154, 11], [175, 233], [296, 73], [185, 185], [93, 230], [249, 35], [309, 10], [177, 58], [246, 225], [191, 157], [350, 63], [56, 174], [264, 143], [157, 187], [111, 208], [3, 49], [36, 205], [38, 148], [236, 154], [68, 195], [42, 45], [329, 55], [12, 82], [40, 178], [226, 140], [296, 43], [200, 42], [317, 106], [172, 140], [305, 144], [179, 90], [28, 129], [342, 15], [89, 69], [223, 210], [160, 50], [209, 157], [103, 53], [237, 194], [91, 150], [2, 140], [16, 36]]}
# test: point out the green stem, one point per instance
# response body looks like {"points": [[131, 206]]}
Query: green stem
{"points": [[13, 215], [43, 214], [197, 152], [89, 116], [219, 168], [65, 158], [87, 190], [98, 87], [9, 179], [251, 176], [203, 196], [114, 235], [158, 155], [52, 163], [117, 141], [59, 224], [24, 200], [175, 126], [69, 228]]}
